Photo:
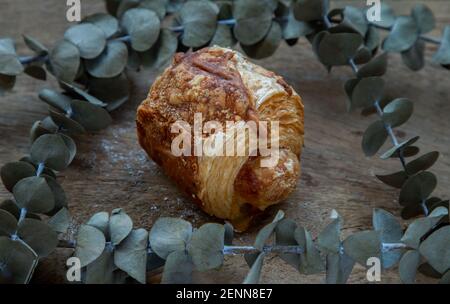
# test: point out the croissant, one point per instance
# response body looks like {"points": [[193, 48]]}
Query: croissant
{"points": [[221, 85]]}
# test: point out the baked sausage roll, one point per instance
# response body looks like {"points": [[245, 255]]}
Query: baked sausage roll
{"points": [[220, 85]]}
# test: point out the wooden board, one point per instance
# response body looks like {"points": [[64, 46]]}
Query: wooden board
{"points": [[111, 170]]}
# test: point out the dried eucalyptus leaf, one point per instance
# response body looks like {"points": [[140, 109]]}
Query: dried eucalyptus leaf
{"points": [[206, 246], [417, 229], [223, 36], [100, 220], [394, 180], [293, 29], [422, 163], [439, 211], [363, 245], [56, 100], [60, 221], [363, 56], [372, 39], [267, 46], [442, 56], [339, 268], [36, 71], [39, 236], [374, 138], [13, 172], [90, 244], [64, 61], [6, 83], [310, 260], [255, 271], [131, 255], [435, 249], [339, 48], [355, 19], [169, 235], [229, 234], [7, 46], [417, 188], [429, 271], [101, 271], [308, 10], [199, 19], [265, 233], [92, 99], [8, 223], [253, 21], [414, 58], [120, 226], [403, 35], [19, 261], [162, 52], [329, 240], [114, 91], [107, 23], [34, 194], [91, 117], [11, 207], [398, 112], [178, 268], [143, 26], [88, 38], [10, 65], [387, 16], [424, 18], [51, 150], [367, 91], [376, 67], [408, 266], [111, 62], [66, 123], [394, 150], [154, 261], [158, 6], [285, 236], [390, 232], [35, 45]]}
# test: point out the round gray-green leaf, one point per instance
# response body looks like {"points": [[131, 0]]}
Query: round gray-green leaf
{"points": [[310, 260], [436, 249], [143, 26], [255, 271], [417, 188], [51, 150], [89, 38], [34, 194], [422, 163], [414, 58], [39, 236], [408, 266], [398, 112], [339, 48], [8, 223], [223, 36], [265, 233], [18, 259], [374, 137], [329, 239], [91, 117], [376, 67], [285, 236], [403, 35], [111, 62], [36, 71], [100, 221], [308, 10], [162, 52], [35, 45], [92, 99], [293, 29], [114, 91], [206, 246], [169, 235], [417, 229], [253, 20], [120, 226], [355, 19], [10, 65], [199, 19], [64, 61], [13, 172], [158, 6], [442, 56], [178, 268], [131, 255], [366, 92], [396, 179], [56, 100], [363, 245], [393, 152], [267, 46], [107, 23], [339, 268], [391, 232], [67, 124], [424, 18], [387, 16], [90, 244], [60, 221]]}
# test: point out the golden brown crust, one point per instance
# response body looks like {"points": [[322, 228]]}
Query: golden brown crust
{"points": [[223, 86]]}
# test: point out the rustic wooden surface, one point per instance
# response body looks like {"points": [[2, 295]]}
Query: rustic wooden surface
{"points": [[110, 169]]}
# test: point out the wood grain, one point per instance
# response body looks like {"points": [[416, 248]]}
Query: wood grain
{"points": [[111, 170]]}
